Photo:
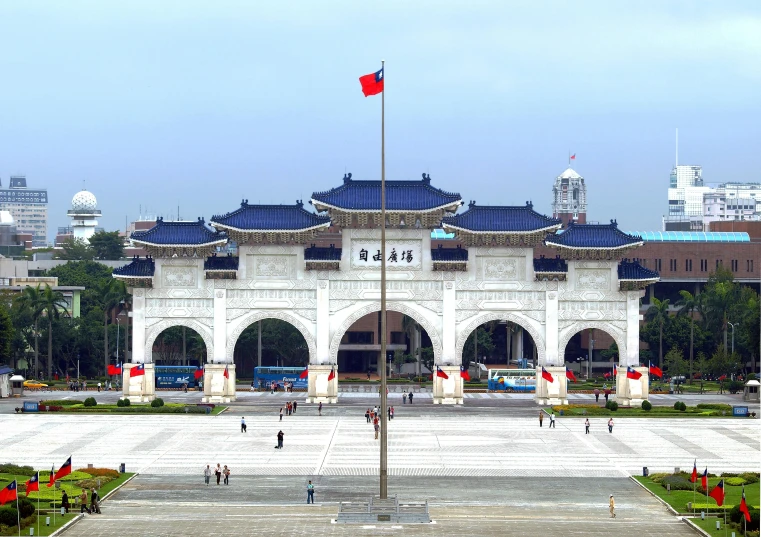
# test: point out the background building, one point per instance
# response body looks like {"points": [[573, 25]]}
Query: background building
{"points": [[569, 194], [83, 213], [29, 208]]}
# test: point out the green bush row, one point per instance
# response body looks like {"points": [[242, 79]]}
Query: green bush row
{"points": [[61, 402], [17, 470]]}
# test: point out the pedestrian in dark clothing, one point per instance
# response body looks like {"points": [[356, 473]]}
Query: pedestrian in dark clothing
{"points": [[226, 473], [310, 493], [280, 436], [610, 425], [295, 404], [367, 415], [388, 411], [65, 502], [586, 426], [597, 395], [541, 417], [607, 394], [94, 507], [410, 397], [281, 413], [243, 425], [218, 473], [319, 409]]}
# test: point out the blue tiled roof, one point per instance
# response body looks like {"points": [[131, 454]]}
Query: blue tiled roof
{"points": [[632, 270], [549, 264], [449, 254], [226, 263], [592, 236], [400, 196], [501, 219], [4, 370], [179, 233], [317, 253], [138, 268], [270, 218]]}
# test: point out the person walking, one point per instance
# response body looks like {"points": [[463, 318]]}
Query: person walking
{"points": [[65, 502], [607, 394], [242, 424], [586, 426], [541, 417], [367, 415], [94, 507], [226, 473], [404, 397], [295, 404], [281, 413], [218, 473], [376, 426], [280, 436], [319, 409], [610, 425], [612, 507], [310, 492], [392, 413], [388, 411], [410, 396], [597, 395], [207, 474], [83, 503], [552, 420], [99, 387]]}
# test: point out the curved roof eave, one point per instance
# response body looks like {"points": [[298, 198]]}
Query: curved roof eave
{"points": [[187, 245], [493, 232], [240, 230], [328, 206]]}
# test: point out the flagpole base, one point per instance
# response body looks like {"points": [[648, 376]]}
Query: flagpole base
{"points": [[551, 393], [139, 389], [216, 388], [631, 392], [448, 391], [320, 389]]}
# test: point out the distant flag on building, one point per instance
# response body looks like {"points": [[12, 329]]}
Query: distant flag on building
{"points": [[440, 373], [8, 494], [546, 375], [332, 374], [372, 84], [137, 371], [304, 374], [718, 493], [464, 373], [569, 374], [64, 470], [573, 157], [694, 476], [226, 373], [744, 507], [52, 477], [655, 370], [704, 479], [198, 373], [632, 373], [33, 485]]}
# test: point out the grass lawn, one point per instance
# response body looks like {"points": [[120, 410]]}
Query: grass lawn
{"points": [[678, 499], [709, 526], [592, 410]]}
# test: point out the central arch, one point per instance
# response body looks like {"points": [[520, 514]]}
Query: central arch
{"points": [[399, 307], [618, 335], [155, 330], [522, 321], [251, 318]]}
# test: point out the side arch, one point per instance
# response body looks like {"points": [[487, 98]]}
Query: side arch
{"points": [[619, 336], [249, 319], [521, 320], [153, 332], [398, 307]]}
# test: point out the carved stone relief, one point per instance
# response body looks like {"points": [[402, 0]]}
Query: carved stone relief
{"points": [[593, 279], [503, 268], [273, 266], [179, 276]]}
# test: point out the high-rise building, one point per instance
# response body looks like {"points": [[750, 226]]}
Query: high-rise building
{"points": [[570, 198], [28, 207], [686, 191]]}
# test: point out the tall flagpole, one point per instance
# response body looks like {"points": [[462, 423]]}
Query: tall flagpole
{"points": [[383, 396], [18, 509]]}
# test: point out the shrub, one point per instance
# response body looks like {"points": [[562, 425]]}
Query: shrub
{"points": [[734, 481], [123, 402], [750, 477], [61, 402], [735, 386], [737, 517], [26, 507], [16, 469], [613, 406], [714, 406], [90, 401], [679, 405], [100, 472], [93, 482], [647, 406], [751, 376], [8, 516], [677, 482], [158, 402]]}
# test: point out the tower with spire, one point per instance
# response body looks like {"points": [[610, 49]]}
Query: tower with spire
{"points": [[569, 198]]}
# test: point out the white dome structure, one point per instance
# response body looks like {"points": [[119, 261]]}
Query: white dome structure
{"points": [[84, 201]]}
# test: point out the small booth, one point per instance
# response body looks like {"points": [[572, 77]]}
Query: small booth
{"points": [[17, 386], [751, 393]]}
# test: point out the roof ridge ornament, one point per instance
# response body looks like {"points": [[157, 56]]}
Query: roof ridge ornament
{"points": [[471, 204], [427, 178], [530, 205], [347, 178], [614, 223], [243, 203]]}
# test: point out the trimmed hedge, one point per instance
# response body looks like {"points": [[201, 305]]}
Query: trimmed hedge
{"points": [[677, 482], [714, 406], [680, 405], [157, 403], [611, 405], [123, 402], [61, 402], [647, 406], [90, 401], [17, 470]]}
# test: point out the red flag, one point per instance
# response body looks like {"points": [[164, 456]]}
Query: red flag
{"points": [[723, 377], [33, 485], [694, 476], [64, 470], [372, 84], [114, 369], [8, 494], [744, 507], [615, 370], [305, 373], [332, 374], [573, 157], [137, 371], [606, 375], [198, 373], [632, 373], [440, 373], [546, 375], [569, 374], [464, 373], [52, 477], [704, 479], [655, 370], [718, 493], [226, 373]]}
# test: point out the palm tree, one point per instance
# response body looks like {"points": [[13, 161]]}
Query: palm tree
{"points": [[689, 303], [659, 312], [52, 303], [112, 294], [30, 300]]}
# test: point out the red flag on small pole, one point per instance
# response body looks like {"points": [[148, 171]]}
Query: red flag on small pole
{"points": [[372, 84], [464, 373], [227, 373], [547, 376], [198, 373], [52, 477], [632, 373], [304, 374], [332, 374], [694, 476], [569, 374], [137, 371], [718, 493], [8, 494], [440, 373], [744, 507], [33, 485], [655, 370]]}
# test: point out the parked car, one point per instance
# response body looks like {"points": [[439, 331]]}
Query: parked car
{"points": [[34, 384]]}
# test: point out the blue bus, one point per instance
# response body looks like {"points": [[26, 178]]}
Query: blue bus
{"points": [[175, 376], [265, 376], [512, 380]]}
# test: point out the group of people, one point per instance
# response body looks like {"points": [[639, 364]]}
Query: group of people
{"points": [[606, 391], [83, 508], [290, 408], [586, 421], [219, 472]]}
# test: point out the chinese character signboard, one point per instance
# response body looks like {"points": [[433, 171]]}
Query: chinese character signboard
{"points": [[400, 255]]}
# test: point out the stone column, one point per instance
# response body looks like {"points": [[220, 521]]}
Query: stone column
{"points": [[138, 327], [220, 327], [631, 392], [322, 389], [552, 353], [218, 388], [141, 388], [551, 393], [448, 391], [632, 328], [319, 388]]}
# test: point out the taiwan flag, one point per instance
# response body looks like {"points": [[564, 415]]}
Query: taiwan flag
{"points": [[704, 479], [440, 373], [573, 157], [606, 375], [372, 84], [52, 477], [546, 375], [694, 476], [64, 470], [464, 373], [718, 493], [332, 374], [655, 370], [569, 375], [115, 369], [632, 373], [198, 373], [615, 370], [226, 373], [744, 507], [304, 374], [33, 485], [137, 371], [8, 494]]}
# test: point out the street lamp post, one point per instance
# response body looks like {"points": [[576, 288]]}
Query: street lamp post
{"points": [[733, 335], [591, 351]]}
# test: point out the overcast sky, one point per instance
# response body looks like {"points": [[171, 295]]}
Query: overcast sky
{"points": [[199, 104]]}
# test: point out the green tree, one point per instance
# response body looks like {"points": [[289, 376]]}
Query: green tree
{"points": [[675, 362], [112, 293], [7, 334], [688, 304], [485, 345], [400, 358], [723, 363], [721, 296], [75, 250], [107, 245], [658, 313], [52, 303], [610, 352], [427, 358], [30, 305]]}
